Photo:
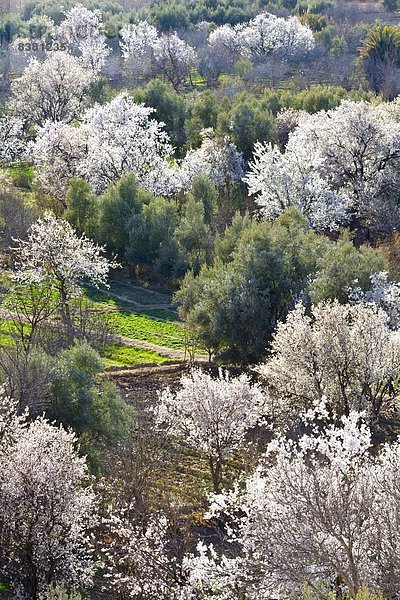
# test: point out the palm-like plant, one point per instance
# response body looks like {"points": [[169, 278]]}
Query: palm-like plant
{"points": [[380, 57], [381, 44]]}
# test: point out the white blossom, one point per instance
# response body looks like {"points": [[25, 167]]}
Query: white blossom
{"points": [[322, 510], [227, 41], [56, 153], [122, 138], [12, 139], [278, 182], [212, 575], [264, 35], [113, 139], [174, 58], [217, 159], [94, 53], [55, 89], [383, 293], [346, 353], [338, 165], [52, 250], [46, 508], [137, 559], [54, 255], [137, 40], [83, 30], [212, 415]]}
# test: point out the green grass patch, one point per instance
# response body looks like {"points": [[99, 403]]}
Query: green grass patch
{"points": [[141, 294], [7, 329], [118, 355], [158, 326], [99, 299], [21, 175], [148, 327], [128, 295], [196, 79]]}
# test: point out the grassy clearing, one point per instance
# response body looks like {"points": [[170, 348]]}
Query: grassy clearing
{"points": [[157, 326], [100, 299], [6, 333], [21, 175], [118, 355], [142, 295], [148, 327], [130, 294]]}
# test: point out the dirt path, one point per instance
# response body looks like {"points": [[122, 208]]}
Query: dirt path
{"points": [[179, 355], [146, 370], [139, 305]]}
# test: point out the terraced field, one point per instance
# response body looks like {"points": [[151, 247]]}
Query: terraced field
{"points": [[129, 317], [145, 323], [119, 355]]}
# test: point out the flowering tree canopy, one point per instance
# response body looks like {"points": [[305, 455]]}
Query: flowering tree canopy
{"points": [[142, 46], [46, 507], [114, 139], [121, 137], [83, 30], [217, 159], [56, 153], [12, 142], [54, 251], [322, 512], [53, 254], [383, 293], [212, 415], [52, 90], [174, 58], [346, 353], [138, 560], [137, 39], [339, 166], [264, 35]]}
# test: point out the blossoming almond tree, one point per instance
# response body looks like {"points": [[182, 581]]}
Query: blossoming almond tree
{"points": [[262, 36], [267, 34], [339, 167], [121, 137], [53, 254], [383, 293], [53, 90], [217, 159], [174, 58], [136, 39], [346, 353], [56, 153], [12, 139], [82, 30], [320, 512], [113, 139], [138, 558], [46, 507], [227, 41], [212, 415], [136, 42], [56, 88]]}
